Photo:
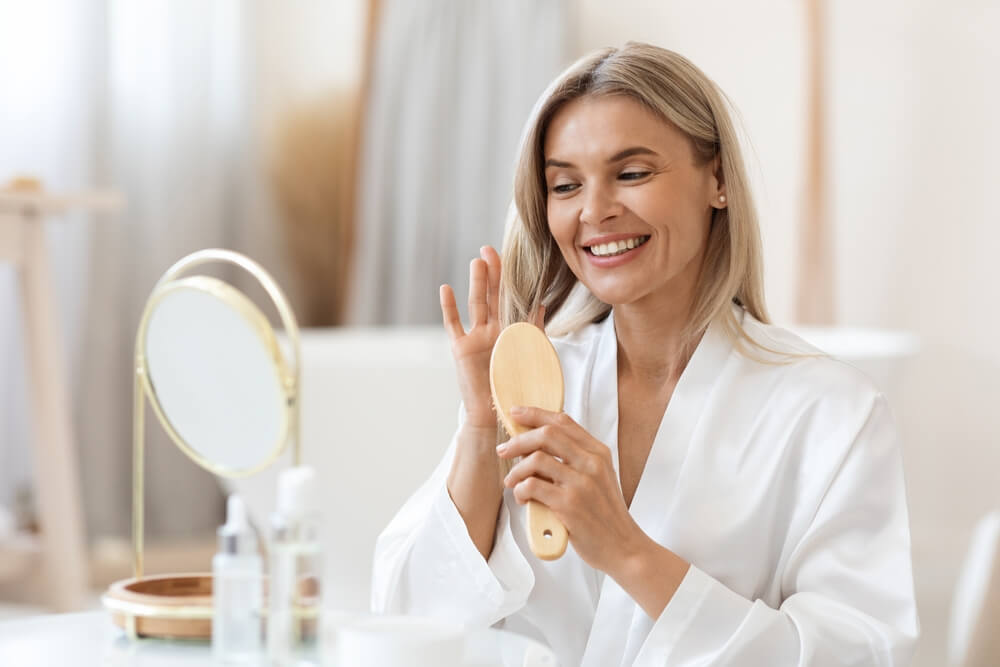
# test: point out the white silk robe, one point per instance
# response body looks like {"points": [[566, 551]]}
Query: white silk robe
{"points": [[781, 484]]}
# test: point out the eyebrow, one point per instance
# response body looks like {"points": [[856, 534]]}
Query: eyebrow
{"points": [[617, 157]]}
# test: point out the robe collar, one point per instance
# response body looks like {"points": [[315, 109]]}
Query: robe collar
{"points": [[616, 632]]}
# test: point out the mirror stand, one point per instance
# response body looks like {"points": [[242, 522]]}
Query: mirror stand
{"points": [[179, 321]]}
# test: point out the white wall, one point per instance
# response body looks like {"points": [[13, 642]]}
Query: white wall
{"points": [[912, 108], [946, 276]]}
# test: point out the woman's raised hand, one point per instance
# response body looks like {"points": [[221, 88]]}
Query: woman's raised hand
{"points": [[472, 349]]}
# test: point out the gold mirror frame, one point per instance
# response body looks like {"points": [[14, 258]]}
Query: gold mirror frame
{"points": [[237, 301], [176, 605]]}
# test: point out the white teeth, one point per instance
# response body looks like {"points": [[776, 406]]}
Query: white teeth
{"points": [[617, 247]]}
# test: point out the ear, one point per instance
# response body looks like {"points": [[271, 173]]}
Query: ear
{"points": [[717, 184]]}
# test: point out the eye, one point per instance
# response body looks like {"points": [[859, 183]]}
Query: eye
{"points": [[564, 188], [633, 175]]}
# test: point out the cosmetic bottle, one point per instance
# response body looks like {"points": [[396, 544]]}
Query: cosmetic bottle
{"points": [[237, 590], [294, 587]]}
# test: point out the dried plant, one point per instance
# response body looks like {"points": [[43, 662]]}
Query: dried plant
{"points": [[313, 176]]}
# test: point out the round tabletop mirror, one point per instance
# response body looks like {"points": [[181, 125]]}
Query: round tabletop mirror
{"points": [[216, 376], [209, 363]]}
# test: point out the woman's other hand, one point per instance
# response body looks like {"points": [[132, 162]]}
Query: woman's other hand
{"points": [[571, 472]]}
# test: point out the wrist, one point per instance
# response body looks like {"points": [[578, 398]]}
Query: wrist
{"points": [[634, 562], [484, 436], [651, 574]]}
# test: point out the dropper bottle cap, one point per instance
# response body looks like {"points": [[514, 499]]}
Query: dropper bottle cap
{"points": [[236, 536]]}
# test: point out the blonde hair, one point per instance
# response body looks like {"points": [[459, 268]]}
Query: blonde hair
{"points": [[534, 271]]}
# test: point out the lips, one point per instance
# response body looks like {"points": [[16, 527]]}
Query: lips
{"points": [[615, 247], [617, 251]]}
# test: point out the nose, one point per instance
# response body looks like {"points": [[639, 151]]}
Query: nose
{"points": [[600, 204]]}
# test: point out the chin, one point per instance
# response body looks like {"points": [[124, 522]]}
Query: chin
{"points": [[616, 296]]}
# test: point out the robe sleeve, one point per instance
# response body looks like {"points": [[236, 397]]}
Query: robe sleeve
{"points": [[847, 584], [427, 564]]}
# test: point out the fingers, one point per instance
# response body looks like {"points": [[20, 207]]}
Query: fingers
{"points": [[478, 284], [493, 280], [484, 294], [559, 428], [541, 465], [546, 439], [449, 312], [539, 490], [536, 417]]}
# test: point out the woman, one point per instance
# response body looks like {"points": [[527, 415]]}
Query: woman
{"points": [[732, 496]]}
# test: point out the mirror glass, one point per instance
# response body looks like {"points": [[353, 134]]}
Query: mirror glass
{"points": [[216, 375]]}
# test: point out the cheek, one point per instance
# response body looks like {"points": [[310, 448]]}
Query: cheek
{"points": [[677, 217], [562, 227]]}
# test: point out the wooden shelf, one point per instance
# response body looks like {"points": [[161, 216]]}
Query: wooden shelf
{"points": [[18, 555], [61, 557]]}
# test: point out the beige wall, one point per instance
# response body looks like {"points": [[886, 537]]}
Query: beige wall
{"points": [[306, 50], [762, 78], [912, 107], [946, 277]]}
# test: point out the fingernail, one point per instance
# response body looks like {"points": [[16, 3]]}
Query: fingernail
{"points": [[517, 410], [501, 448]]}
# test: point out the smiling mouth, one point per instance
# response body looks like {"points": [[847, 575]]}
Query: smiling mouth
{"points": [[615, 247]]}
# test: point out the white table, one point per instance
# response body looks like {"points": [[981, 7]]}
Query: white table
{"points": [[89, 638]]}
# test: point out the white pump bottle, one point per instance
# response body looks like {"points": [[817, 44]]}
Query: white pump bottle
{"points": [[294, 588]]}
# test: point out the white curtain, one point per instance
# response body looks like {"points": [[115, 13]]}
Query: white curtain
{"points": [[453, 82], [166, 101], [149, 98], [176, 146], [49, 58]]}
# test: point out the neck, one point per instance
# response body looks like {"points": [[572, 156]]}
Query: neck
{"points": [[651, 342]]}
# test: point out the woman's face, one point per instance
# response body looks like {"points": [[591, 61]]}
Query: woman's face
{"points": [[627, 204]]}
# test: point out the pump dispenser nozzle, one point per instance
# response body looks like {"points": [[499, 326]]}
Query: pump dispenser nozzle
{"points": [[297, 492], [236, 536]]}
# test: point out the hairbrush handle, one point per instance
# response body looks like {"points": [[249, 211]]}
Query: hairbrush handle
{"points": [[546, 534], [525, 370]]}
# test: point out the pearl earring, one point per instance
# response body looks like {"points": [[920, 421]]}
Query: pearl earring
{"points": [[722, 198]]}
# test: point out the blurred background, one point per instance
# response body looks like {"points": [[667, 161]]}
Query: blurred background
{"points": [[362, 151]]}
